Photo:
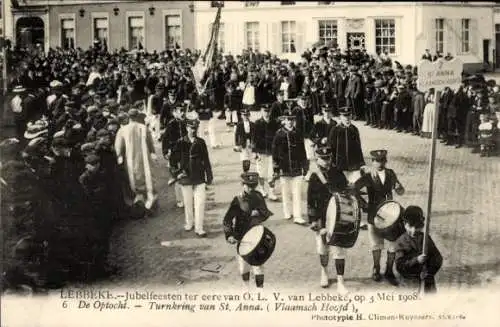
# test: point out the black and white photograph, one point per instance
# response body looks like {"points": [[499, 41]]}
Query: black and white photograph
{"points": [[249, 163]]}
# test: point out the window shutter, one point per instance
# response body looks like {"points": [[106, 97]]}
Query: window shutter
{"points": [[299, 43], [275, 38], [431, 31], [450, 35], [474, 36]]}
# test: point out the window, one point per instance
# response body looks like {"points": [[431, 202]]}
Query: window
{"points": [[101, 29], [251, 3], [68, 33], [216, 4], [328, 31], [439, 27], [252, 35], [288, 35], [173, 31], [136, 32], [287, 3], [385, 36], [465, 36], [221, 46]]}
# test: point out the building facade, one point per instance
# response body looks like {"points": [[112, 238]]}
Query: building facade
{"points": [[152, 25], [402, 29]]}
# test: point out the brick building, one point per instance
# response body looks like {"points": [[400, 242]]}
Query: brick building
{"points": [[155, 25]]}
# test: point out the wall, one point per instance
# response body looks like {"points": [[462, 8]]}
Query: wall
{"points": [[118, 31], [306, 15]]}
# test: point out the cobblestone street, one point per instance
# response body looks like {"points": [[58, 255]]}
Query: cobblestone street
{"points": [[465, 225]]}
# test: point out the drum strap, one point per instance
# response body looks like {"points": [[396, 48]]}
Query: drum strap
{"points": [[321, 177]]}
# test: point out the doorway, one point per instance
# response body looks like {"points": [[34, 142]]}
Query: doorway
{"points": [[30, 32], [497, 45]]}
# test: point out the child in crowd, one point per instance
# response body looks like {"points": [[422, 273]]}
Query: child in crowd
{"points": [[485, 134]]}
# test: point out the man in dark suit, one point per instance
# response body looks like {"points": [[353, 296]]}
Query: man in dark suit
{"points": [[379, 182], [243, 137], [322, 128], [354, 93], [339, 88], [455, 116], [278, 107]]}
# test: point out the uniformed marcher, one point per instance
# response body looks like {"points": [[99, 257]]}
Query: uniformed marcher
{"points": [[193, 170], [265, 130], [245, 211], [322, 184], [346, 146], [153, 110], [379, 182], [290, 165], [244, 136], [322, 128]]}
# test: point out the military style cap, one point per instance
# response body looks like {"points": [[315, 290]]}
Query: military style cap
{"points": [[326, 107], [324, 152], [287, 114], [266, 107], [171, 92], [250, 178], [345, 111], [88, 147], [245, 112], [193, 123], [160, 86], [379, 155], [133, 113], [414, 216]]}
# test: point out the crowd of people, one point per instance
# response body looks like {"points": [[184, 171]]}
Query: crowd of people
{"points": [[71, 171]]}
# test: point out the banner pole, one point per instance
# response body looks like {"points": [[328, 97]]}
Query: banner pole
{"points": [[431, 180]]}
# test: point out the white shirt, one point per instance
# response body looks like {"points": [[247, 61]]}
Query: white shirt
{"points": [[381, 175], [246, 126], [16, 104]]}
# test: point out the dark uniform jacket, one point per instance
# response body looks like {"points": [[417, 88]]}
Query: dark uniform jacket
{"points": [[304, 120], [409, 248], [264, 135], [156, 104], [321, 130], [166, 111], [174, 131], [238, 219], [346, 147], [242, 137], [354, 88], [193, 160], [319, 194], [277, 110], [377, 192], [289, 154]]}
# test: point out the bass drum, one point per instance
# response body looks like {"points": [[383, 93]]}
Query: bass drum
{"points": [[257, 245], [343, 218], [388, 220]]}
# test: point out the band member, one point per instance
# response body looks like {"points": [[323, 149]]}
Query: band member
{"points": [[168, 107], [290, 165], [278, 107], [232, 102], [244, 136], [153, 110], [304, 124], [323, 127], [411, 263], [174, 131], [322, 184], [265, 130], [245, 211], [194, 171], [379, 183], [346, 147]]}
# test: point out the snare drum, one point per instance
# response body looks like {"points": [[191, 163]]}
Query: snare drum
{"points": [[343, 217], [388, 220], [257, 245]]}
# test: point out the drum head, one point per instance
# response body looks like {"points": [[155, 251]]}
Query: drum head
{"points": [[387, 214], [250, 240], [332, 214]]}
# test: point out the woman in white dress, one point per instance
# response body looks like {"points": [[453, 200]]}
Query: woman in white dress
{"points": [[428, 118]]}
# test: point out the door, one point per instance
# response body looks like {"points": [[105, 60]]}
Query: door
{"points": [[355, 41], [486, 51]]}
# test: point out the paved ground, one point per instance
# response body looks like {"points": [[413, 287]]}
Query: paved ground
{"points": [[465, 225]]}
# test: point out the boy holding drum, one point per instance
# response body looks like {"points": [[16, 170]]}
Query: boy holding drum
{"points": [[379, 182], [246, 211]]}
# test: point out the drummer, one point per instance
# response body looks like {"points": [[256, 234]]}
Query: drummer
{"points": [[379, 181], [245, 211], [322, 184]]}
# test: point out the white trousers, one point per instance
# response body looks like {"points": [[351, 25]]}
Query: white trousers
{"points": [[352, 176], [194, 205], [178, 193], [377, 242], [244, 267], [323, 248], [291, 192], [209, 126], [231, 116], [246, 154], [264, 166], [309, 146]]}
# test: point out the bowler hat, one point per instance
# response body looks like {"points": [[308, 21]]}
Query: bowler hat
{"points": [[379, 155], [414, 216], [250, 178]]}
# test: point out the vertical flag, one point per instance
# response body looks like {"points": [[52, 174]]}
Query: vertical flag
{"points": [[206, 60]]}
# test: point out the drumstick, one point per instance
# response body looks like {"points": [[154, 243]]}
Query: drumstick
{"points": [[380, 217]]}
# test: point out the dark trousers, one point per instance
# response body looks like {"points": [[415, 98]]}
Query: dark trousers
{"points": [[341, 102], [20, 125], [455, 131]]}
